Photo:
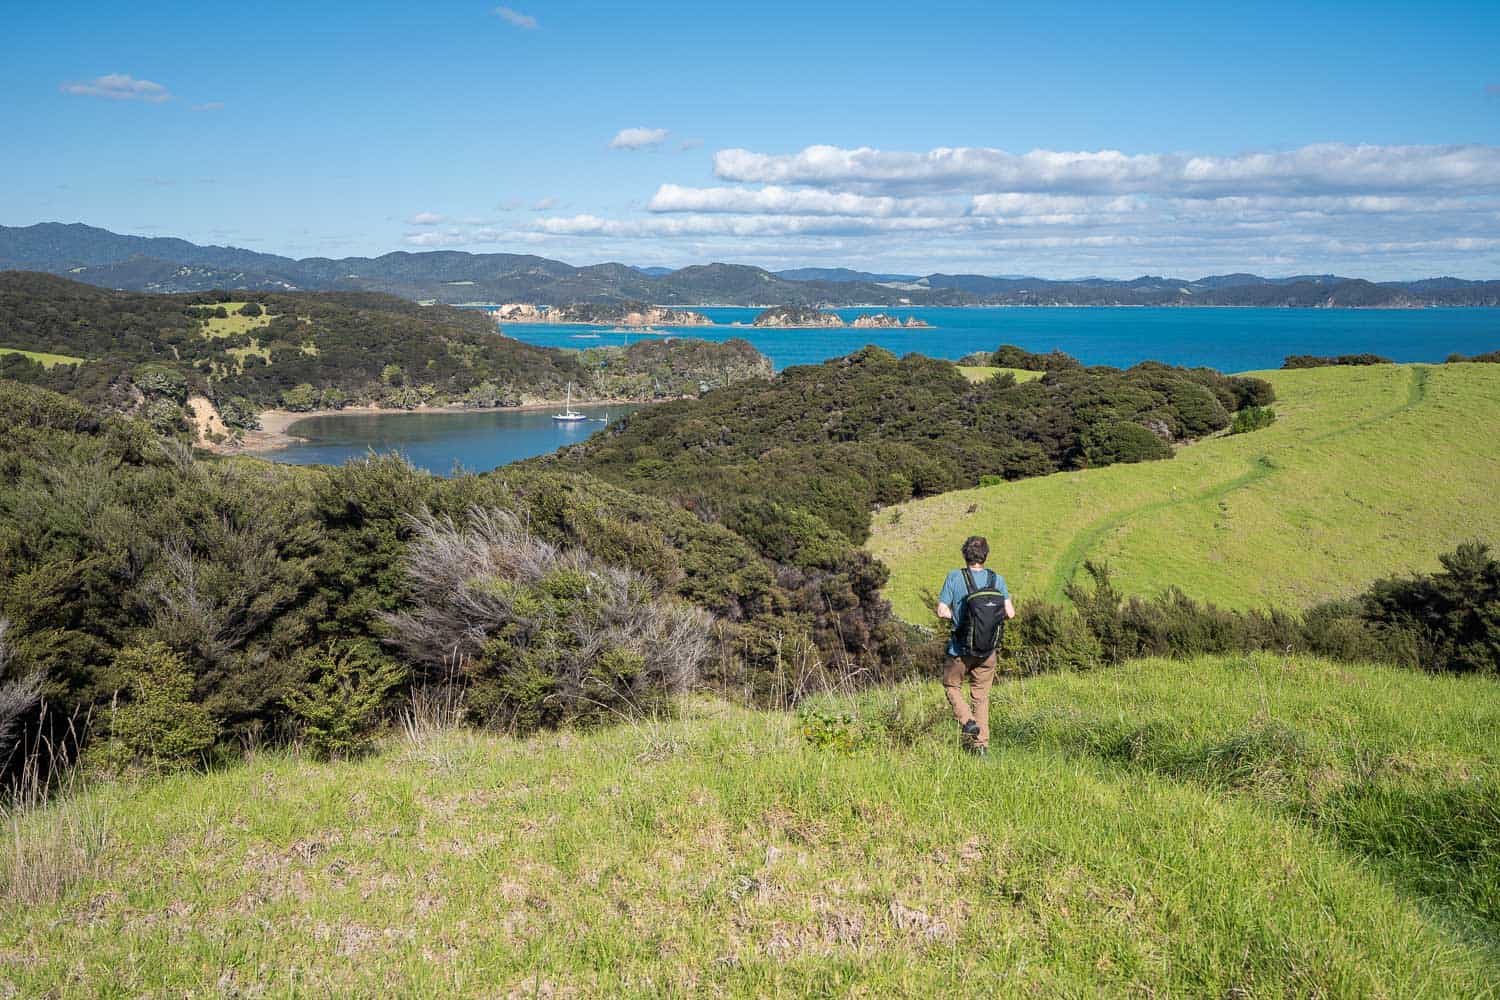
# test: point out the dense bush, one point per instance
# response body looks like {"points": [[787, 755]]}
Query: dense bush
{"points": [[339, 702], [1453, 615], [1317, 361], [1011, 356], [19, 695], [112, 536], [1122, 443], [1489, 357], [1443, 622], [156, 725], [1252, 418], [542, 635]]}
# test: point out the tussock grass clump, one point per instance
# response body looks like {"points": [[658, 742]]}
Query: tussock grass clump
{"points": [[541, 635], [42, 860]]}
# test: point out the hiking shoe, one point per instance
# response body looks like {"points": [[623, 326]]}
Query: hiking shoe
{"points": [[969, 729], [981, 751]]}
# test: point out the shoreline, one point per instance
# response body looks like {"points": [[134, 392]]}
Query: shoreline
{"points": [[274, 432]]}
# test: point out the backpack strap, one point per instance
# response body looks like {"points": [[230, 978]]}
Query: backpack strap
{"points": [[994, 580], [969, 580]]}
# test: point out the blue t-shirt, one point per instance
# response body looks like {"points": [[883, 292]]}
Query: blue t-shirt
{"points": [[955, 593]]}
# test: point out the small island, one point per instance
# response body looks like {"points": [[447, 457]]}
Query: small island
{"points": [[796, 316], [885, 321]]}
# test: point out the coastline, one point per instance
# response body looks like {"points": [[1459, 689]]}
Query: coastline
{"points": [[274, 432]]}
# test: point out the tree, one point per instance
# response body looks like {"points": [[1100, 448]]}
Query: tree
{"points": [[300, 398], [157, 725], [339, 701], [251, 309]]}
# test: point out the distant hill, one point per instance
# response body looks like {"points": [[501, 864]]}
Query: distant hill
{"points": [[840, 274], [163, 264]]}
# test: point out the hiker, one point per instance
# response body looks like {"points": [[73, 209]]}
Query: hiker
{"points": [[977, 602]]}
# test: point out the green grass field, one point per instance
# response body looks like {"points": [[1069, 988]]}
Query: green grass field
{"points": [[213, 327], [47, 360], [1366, 472], [1305, 837], [980, 373]]}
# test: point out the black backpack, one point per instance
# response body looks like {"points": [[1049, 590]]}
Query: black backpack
{"points": [[981, 624]]}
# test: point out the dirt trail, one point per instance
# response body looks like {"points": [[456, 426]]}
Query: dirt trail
{"points": [[207, 423]]}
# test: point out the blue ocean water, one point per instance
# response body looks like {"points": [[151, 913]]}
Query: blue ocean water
{"points": [[1231, 340], [440, 442]]}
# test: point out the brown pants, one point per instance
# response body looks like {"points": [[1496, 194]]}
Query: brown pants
{"points": [[981, 673]]}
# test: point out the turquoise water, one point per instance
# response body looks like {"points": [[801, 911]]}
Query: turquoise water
{"points": [[439, 442], [1231, 340]]}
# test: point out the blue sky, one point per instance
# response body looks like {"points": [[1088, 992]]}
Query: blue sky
{"points": [[998, 138]]}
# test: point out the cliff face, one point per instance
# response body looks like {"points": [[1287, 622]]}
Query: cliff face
{"points": [[518, 312], [784, 316], [625, 314], [885, 321]]}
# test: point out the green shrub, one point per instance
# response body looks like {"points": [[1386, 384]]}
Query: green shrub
{"points": [[251, 309], [164, 416], [300, 398], [991, 480], [1454, 612], [829, 729], [1123, 442], [339, 701], [1317, 361], [1011, 356], [1252, 418], [156, 725], [159, 380]]}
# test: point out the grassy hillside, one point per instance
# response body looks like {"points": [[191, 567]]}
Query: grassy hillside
{"points": [[981, 373], [1366, 472], [43, 358], [1118, 841]]}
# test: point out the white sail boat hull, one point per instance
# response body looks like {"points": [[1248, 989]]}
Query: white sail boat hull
{"points": [[568, 415]]}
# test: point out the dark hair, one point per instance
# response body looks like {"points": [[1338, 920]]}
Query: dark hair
{"points": [[976, 550]]}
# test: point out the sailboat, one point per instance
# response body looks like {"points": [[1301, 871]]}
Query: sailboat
{"points": [[568, 415]]}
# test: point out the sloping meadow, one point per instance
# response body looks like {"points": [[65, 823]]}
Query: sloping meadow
{"points": [[1213, 828]]}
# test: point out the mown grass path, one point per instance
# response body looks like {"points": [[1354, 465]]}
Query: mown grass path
{"points": [[1366, 472]]}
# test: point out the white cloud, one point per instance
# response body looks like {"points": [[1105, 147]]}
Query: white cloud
{"points": [[543, 204], [688, 144], [515, 17], [638, 138], [1033, 204], [451, 238], [209, 106], [427, 219], [118, 87], [1373, 211], [776, 200], [1318, 169]]}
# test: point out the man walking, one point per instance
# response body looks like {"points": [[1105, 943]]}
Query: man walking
{"points": [[973, 645]]}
